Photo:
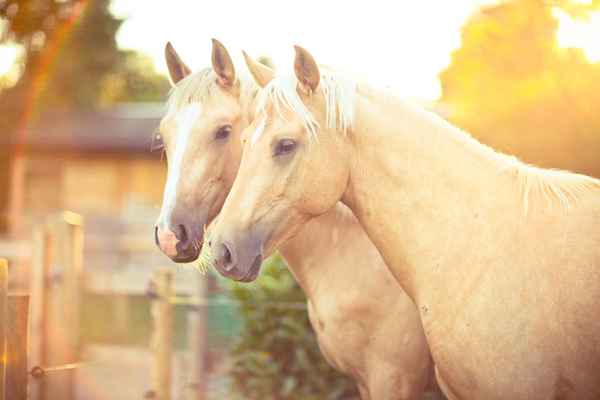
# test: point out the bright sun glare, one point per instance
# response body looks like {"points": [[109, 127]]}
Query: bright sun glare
{"points": [[398, 44], [384, 29], [8, 56], [583, 34]]}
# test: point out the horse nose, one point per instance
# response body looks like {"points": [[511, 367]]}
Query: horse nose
{"points": [[166, 240], [181, 233], [224, 258]]}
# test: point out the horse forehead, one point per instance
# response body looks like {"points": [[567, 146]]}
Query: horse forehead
{"points": [[173, 122], [264, 127], [288, 125], [188, 116]]}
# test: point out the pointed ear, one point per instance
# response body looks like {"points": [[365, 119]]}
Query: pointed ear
{"points": [[306, 70], [261, 73], [222, 64], [177, 68]]}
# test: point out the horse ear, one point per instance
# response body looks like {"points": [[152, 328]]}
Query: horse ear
{"points": [[306, 70], [222, 64], [261, 73], [177, 68]]}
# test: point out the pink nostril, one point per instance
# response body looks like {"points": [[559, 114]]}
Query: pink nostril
{"points": [[167, 241]]}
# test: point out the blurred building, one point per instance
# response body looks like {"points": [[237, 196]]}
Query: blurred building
{"points": [[98, 164]]}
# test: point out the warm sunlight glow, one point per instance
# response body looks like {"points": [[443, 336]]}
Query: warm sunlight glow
{"points": [[8, 56], [578, 33], [401, 45]]}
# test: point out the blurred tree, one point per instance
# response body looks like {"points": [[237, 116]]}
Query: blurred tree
{"points": [[136, 80], [31, 23], [70, 61], [276, 356], [88, 55], [102, 74], [512, 87], [35, 25], [77, 39]]}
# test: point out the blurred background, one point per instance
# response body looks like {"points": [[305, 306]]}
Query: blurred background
{"points": [[82, 90]]}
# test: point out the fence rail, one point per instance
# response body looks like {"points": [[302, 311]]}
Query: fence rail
{"points": [[197, 303], [52, 311], [161, 291]]}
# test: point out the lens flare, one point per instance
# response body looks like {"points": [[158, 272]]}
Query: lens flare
{"points": [[35, 87]]}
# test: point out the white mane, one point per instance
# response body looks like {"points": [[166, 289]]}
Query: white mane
{"points": [[551, 186], [199, 86], [339, 95]]}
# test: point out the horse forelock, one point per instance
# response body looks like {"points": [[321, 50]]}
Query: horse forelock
{"points": [[339, 95], [199, 86]]}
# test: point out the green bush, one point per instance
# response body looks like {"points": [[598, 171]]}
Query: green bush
{"points": [[277, 356]]}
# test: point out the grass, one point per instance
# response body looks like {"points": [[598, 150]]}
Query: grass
{"points": [[205, 259]]}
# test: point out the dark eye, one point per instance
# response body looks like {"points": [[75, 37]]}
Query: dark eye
{"points": [[223, 132], [284, 146]]}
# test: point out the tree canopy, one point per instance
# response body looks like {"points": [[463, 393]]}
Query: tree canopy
{"points": [[76, 41], [70, 61], [511, 86], [26, 19]]}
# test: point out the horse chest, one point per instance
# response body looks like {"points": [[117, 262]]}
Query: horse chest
{"points": [[340, 336]]}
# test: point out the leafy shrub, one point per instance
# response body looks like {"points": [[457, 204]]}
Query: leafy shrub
{"points": [[277, 356]]}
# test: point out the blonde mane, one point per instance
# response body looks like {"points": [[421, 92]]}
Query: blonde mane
{"points": [[338, 93], [199, 86], [550, 186], [554, 187]]}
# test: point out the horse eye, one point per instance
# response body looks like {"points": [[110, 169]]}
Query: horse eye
{"points": [[223, 132], [284, 146]]}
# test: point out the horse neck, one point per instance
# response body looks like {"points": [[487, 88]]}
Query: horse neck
{"points": [[312, 254], [421, 188]]}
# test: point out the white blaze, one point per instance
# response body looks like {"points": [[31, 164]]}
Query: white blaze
{"points": [[185, 121], [259, 130]]}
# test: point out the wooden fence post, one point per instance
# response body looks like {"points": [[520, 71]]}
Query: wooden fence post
{"points": [[73, 280], [162, 339], [197, 343], [63, 295], [40, 273], [3, 320], [16, 343]]}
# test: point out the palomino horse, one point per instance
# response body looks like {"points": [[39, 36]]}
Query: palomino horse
{"points": [[501, 258], [366, 326]]}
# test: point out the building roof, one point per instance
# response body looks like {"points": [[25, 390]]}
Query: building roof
{"points": [[125, 128]]}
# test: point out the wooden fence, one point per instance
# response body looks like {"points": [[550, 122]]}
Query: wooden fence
{"points": [[40, 333], [162, 293], [13, 340]]}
